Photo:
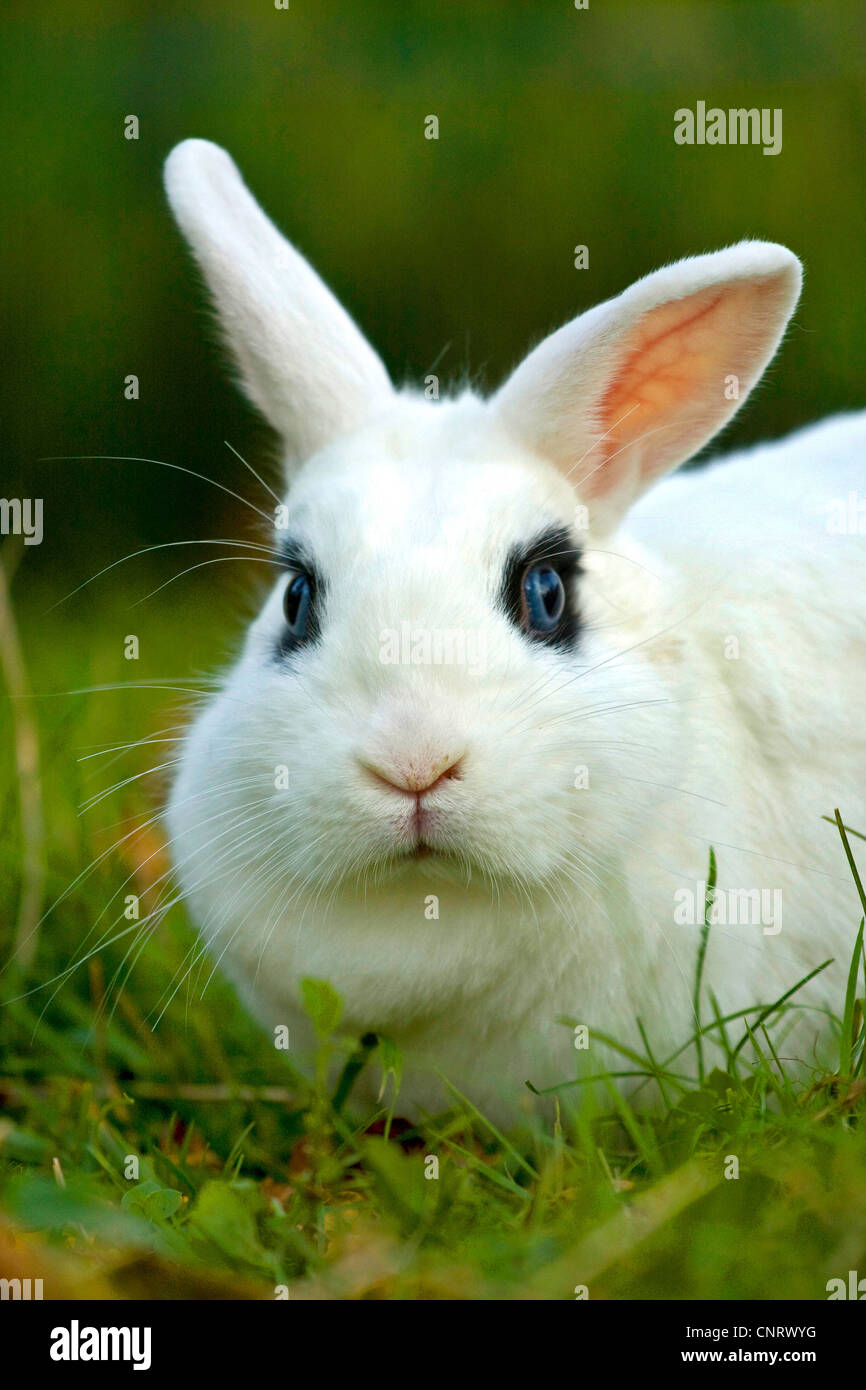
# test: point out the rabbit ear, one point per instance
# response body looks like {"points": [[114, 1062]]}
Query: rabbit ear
{"points": [[637, 385], [301, 359]]}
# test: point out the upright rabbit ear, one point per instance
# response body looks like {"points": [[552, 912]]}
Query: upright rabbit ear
{"points": [[301, 359], [637, 385]]}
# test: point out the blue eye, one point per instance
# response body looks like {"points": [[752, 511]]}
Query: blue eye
{"points": [[296, 606], [543, 598]]}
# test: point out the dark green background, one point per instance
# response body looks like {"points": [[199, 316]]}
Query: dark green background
{"points": [[556, 129]]}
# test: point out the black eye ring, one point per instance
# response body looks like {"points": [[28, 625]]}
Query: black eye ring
{"points": [[297, 606], [543, 599]]}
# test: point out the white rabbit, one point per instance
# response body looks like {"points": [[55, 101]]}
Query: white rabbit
{"points": [[514, 704]]}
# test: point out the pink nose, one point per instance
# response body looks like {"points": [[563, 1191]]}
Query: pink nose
{"points": [[415, 775]]}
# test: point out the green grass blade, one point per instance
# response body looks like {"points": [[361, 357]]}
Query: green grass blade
{"points": [[847, 1040], [702, 952], [783, 999]]}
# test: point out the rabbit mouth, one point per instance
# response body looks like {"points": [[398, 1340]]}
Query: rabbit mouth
{"points": [[421, 852]]}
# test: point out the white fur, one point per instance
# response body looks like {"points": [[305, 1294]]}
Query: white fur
{"points": [[301, 359], [553, 901]]}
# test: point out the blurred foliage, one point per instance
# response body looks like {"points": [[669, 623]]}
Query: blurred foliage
{"points": [[556, 129]]}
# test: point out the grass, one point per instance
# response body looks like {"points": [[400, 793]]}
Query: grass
{"points": [[193, 1160]]}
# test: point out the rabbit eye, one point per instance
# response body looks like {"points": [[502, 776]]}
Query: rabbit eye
{"points": [[538, 588], [543, 599], [297, 604]]}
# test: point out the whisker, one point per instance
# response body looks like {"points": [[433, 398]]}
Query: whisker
{"points": [[258, 479], [164, 545], [161, 463], [217, 560]]}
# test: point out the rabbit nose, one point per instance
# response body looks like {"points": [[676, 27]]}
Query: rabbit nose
{"points": [[414, 775]]}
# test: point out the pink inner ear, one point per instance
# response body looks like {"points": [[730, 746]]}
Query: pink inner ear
{"points": [[667, 395]]}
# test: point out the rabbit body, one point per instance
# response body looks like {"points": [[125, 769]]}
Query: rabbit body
{"points": [[482, 853]]}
